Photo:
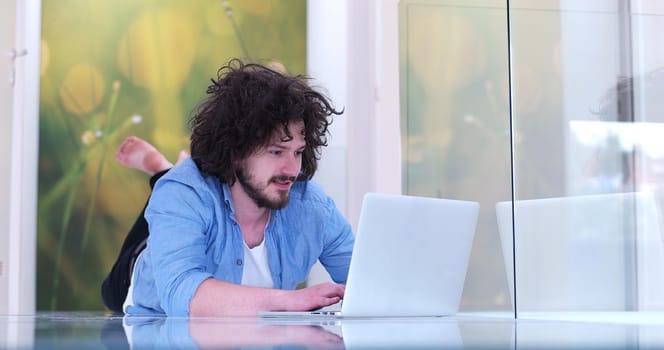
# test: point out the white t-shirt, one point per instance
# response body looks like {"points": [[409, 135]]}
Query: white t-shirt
{"points": [[256, 271]]}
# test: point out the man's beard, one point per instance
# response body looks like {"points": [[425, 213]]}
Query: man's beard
{"points": [[258, 195]]}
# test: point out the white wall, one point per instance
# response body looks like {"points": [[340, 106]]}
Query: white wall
{"points": [[352, 51], [25, 153], [387, 113], [20, 134], [326, 63]]}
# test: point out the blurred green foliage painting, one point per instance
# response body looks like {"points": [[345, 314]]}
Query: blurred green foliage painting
{"points": [[111, 69]]}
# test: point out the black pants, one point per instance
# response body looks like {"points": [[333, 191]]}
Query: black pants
{"points": [[116, 285]]}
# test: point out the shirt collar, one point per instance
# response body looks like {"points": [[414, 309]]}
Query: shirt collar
{"points": [[228, 202], [228, 199]]}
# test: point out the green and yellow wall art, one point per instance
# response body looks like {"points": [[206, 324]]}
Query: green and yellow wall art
{"points": [[111, 69]]}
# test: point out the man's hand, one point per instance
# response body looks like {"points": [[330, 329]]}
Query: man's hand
{"points": [[316, 297]]}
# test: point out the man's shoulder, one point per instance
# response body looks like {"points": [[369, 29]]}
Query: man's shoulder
{"points": [[184, 183], [187, 174]]}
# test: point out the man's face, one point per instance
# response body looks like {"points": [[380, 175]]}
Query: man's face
{"points": [[267, 175]]}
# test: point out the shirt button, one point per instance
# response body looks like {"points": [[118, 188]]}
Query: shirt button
{"points": [[238, 262]]}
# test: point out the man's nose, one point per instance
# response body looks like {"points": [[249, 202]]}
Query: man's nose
{"points": [[292, 165]]}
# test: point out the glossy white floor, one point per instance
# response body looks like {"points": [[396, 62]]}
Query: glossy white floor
{"points": [[471, 331]]}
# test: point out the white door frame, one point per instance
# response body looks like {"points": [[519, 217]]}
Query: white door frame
{"points": [[20, 267]]}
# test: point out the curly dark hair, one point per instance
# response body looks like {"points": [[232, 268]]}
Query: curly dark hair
{"points": [[245, 106]]}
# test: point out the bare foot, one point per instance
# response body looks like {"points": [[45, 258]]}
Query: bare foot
{"points": [[182, 156], [138, 154]]}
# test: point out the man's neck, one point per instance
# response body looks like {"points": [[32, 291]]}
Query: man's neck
{"points": [[251, 218]]}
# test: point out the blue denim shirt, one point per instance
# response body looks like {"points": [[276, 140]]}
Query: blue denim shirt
{"points": [[194, 236]]}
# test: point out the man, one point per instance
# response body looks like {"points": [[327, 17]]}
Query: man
{"points": [[238, 225]]}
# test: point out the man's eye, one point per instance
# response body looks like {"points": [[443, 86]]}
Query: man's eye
{"points": [[275, 152], [299, 153]]}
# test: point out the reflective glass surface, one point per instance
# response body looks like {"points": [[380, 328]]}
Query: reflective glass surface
{"points": [[70, 330]]}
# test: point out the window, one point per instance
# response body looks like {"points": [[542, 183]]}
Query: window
{"points": [[557, 138]]}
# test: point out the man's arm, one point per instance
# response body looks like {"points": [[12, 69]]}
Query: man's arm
{"points": [[218, 298], [338, 244]]}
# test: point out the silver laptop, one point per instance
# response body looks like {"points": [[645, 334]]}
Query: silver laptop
{"points": [[410, 258]]}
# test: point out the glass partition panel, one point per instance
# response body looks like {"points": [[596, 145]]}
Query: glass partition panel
{"points": [[455, 126], [587, 119]]}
